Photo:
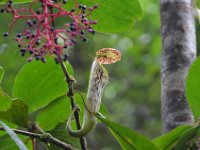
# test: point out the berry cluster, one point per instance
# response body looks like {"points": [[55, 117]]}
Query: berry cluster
{"points": [[41, 36]]}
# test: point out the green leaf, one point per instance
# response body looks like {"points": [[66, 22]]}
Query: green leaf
{"points": [[113, 16], [122, 142], [15, 138], [6, 143], [1, 73], [128, 137], [54, 113], [185, 137], [17, 113], [167, 140], [5, 101], [192, 88], [40, 83], [15, 1], [61, 133]]}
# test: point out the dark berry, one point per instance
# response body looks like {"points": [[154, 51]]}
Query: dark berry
{"points": [[18, 35], [22, 54], [64, 1], [65, 46], [5, 34], [34, 21], [84, 7], [56, 61], [93, 32], [2, 10], [95, 6], [19, 46], [33, 35], [38, 12], [80, 6], [84, 40], [66, 56], [52, 28], [43, 59], [82, 32], [37, 42], [23, 50], [29, 23], [72, 10], [72, 28]]}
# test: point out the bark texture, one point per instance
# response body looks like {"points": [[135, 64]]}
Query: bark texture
{"points": [[179, 51]]}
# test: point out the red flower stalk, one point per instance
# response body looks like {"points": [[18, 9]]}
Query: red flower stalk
{"points": [[41, 37]]}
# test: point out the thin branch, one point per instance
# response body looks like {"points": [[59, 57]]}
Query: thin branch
{"points": [[45, 137], [70, 93]]}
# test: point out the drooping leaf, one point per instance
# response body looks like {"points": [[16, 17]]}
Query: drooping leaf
{"points": [[54, 113], [1, 73], [17, 113], [5, 101], [15, 138], [129, 137], [40, 83], [113, 16], [192, 88], [170, 138]]}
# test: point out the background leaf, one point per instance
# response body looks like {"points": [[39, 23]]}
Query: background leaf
{"points": [[1, 73], [17, 113], [16, 1], [113, 16], [15, 138], [54, 113], [5, 101], [129, 137], [40, 83], [192, 88], [166, 140]]}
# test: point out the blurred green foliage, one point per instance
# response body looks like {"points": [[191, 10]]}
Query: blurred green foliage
{"points": [[133, 94]]}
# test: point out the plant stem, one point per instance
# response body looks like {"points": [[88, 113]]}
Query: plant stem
{"points": [[45, 137], [70, 93]]}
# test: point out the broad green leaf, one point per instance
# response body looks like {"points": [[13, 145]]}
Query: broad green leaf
{"points": [[122, 142], [15, 1], [113, 16], [1, 73], [185, 137], [40, 83], [5, 101], [192, 88], [15, 138], [17, 113], [129, 137], [170, 138], [54, 113]]}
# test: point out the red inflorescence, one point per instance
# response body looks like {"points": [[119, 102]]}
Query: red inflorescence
{"points": [[41, 37]]}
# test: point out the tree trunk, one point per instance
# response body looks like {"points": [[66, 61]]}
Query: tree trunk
{"points": [[179, 51]]}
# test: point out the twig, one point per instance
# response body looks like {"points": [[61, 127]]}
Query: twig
{"points": [[70, 93], [45, 137]]}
